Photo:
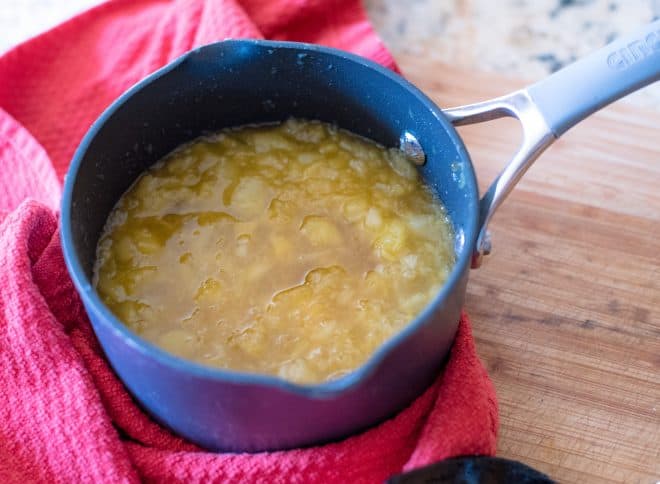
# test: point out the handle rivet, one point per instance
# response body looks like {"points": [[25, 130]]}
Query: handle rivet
{"points": [[412, 149], [486, 243]]}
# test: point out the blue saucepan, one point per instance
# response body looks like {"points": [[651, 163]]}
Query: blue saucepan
{"points": [[236, 82]]}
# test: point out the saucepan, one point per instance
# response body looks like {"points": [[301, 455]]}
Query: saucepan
{"points": [[236, 82]]}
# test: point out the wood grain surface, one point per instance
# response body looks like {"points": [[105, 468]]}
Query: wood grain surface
{"points": [[566, 310]]}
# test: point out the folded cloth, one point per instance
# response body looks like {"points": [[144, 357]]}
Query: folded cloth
{"points": [[64, 414]]}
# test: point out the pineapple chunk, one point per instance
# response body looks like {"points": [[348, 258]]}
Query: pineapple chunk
{"points": [[124, 250], [307, 158], [178, 165], [355, 209], [146, 241], [268, 140], [373, 219], [320, 231], [249, 197], [392, 240], [280, 210], [401, 164], [305, 131], [242, 244], [297, 370], [321, 170]]}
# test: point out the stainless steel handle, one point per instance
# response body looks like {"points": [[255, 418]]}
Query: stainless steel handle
{"points": [[537, 137], [552, 106]]}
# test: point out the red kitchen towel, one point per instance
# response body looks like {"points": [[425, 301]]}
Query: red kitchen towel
{"points": [[64, 416]]}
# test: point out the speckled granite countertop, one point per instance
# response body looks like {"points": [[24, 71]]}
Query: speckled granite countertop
{"points": [[524, 38]]}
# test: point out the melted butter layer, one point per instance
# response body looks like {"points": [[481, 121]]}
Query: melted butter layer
{"points": [[292, 250]]}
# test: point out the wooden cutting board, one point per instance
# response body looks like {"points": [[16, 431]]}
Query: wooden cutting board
{"points": [[566, 310]]}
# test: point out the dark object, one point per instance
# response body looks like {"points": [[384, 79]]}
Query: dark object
{"points": [[473, 470]]}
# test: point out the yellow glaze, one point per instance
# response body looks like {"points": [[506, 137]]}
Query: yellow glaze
{"points": [[292, 250]]}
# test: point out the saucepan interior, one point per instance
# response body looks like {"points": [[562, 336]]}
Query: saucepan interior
{"points": [[234, 83]]}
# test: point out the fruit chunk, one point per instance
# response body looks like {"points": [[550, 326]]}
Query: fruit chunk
{"points": [[248, 199], [266, 141], [373, 219], [320, 231], [281, 211], [355, 209], [306, 131], [392, 240], [401, 164], [297, 370]]}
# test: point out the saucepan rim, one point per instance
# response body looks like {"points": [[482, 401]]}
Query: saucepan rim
{"points": [[463, 246]]}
